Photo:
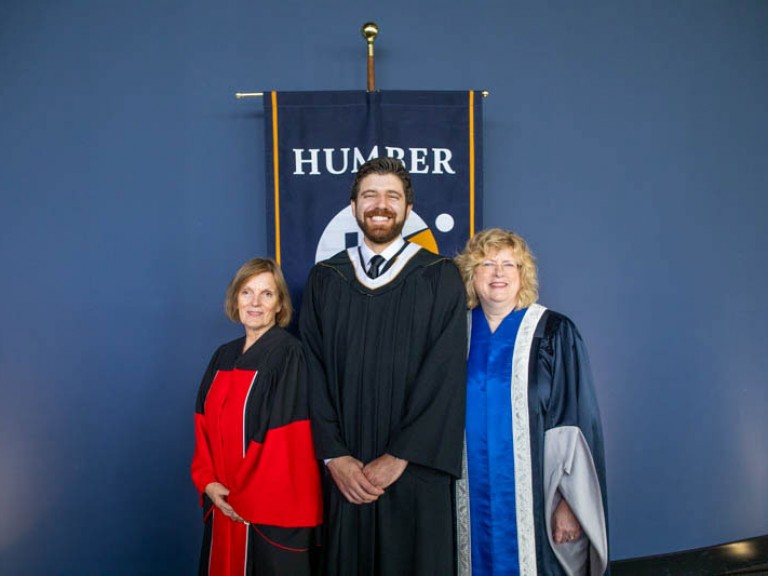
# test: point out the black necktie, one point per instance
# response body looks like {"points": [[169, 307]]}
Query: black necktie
{"points": [[374, 267]]}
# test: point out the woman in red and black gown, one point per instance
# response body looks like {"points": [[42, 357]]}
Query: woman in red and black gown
{"points": [[254, 464]]}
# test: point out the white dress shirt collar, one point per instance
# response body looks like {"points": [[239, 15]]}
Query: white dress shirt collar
{"points": [[387, 253]]}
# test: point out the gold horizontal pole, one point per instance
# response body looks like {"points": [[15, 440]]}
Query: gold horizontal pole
{"points": [[238, 95]]}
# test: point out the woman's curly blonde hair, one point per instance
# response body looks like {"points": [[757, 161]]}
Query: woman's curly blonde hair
{"points": [[477, 250]]}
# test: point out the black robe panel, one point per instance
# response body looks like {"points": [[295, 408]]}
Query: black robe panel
{"points": [[388, 375]]}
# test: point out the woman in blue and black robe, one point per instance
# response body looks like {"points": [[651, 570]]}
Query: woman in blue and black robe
{"points": [[533, 496]]}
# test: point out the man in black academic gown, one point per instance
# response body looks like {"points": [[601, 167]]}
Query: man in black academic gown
{"points": [[384, 327]]}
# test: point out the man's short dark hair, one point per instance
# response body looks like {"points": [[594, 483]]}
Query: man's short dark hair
{"points": [[384, 165]]}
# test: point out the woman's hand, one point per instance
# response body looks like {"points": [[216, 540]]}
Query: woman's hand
{"points": [[218, 493], [565, 525]]}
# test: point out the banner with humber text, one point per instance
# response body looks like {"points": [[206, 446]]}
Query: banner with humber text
{"points": [[316, 141]]}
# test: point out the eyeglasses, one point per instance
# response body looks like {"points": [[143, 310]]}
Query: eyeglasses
{"points": [[506, 265]]}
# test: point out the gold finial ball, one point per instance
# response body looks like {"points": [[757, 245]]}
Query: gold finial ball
{"points": [[370, 31]]}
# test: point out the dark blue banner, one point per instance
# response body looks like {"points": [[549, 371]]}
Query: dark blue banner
{"points": [[316, 141]]}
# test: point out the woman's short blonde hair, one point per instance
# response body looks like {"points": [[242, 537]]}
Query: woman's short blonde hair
{"points": [[478, 249], [246, 272]]}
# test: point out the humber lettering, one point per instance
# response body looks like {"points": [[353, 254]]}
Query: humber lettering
{"points": [[316, 161]]}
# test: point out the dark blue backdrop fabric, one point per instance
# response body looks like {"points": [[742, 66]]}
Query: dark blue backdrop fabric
{"points": [[316, 141]]}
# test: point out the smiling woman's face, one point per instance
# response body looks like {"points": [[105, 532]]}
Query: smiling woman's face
{"points": [[497, 280], [257, 303]]}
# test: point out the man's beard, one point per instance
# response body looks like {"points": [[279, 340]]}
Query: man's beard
{"points": [[381, 234]]}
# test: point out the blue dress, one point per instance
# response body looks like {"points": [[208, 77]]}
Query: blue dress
{"points": [[490, 453]]}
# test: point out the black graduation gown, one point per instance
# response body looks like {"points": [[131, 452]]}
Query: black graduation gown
{"points": [[388, 375], [252, 434]]}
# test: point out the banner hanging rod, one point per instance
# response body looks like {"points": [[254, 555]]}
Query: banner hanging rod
{"points": [[238, 95], [369, 30]]}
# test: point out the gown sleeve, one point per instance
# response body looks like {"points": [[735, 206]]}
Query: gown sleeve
{"points": [[325, 423], [202, 469], [432, 429], [278, 482], [574, 464]]}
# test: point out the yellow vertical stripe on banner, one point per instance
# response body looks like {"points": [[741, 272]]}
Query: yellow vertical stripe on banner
{"points": [[276, 169], [471, 163]]}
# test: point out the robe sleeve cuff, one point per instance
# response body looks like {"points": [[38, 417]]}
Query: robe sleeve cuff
{"points": [[569, 472]]}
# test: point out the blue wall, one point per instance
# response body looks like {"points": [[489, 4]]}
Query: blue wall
{"points": [[627, 141]]}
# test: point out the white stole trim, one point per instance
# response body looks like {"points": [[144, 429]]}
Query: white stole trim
{"points": [[463, 519], [245, 410], [521, 438], [390, 274]]}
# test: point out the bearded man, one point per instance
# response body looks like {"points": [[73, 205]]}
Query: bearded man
{"points": [[384, 328]]}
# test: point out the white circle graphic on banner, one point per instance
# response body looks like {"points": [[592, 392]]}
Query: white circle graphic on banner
{"points": [[444, 222]]}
